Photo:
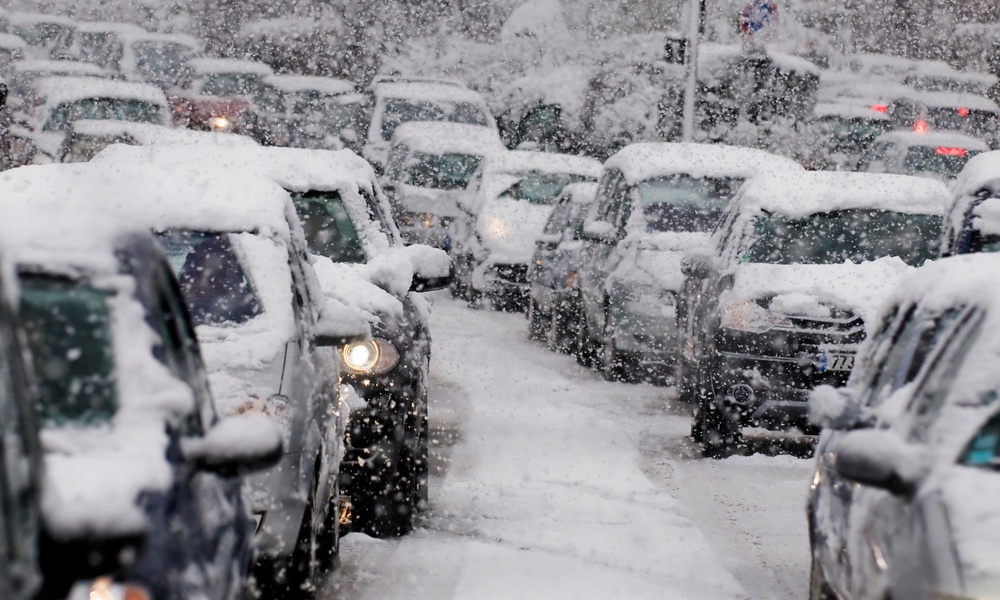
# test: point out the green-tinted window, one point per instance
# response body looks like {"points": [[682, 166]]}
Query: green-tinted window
{"points": [[328, 227], [440, 171], [541, 188], [68, 326], [105, 109]]}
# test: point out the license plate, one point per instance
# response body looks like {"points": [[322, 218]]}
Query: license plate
{"points": [[835, 362]]}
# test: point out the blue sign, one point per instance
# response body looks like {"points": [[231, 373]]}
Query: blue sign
{"points": [[758, 16]]}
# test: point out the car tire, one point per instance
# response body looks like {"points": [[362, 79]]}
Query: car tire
{"points": [[715, 426], [562, 331], [819, 589], [614, 366], [382, 499], [538, 324], [586, 349]]}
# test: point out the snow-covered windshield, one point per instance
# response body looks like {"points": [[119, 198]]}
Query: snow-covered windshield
{"points": [[328, 227], [230, 84], [855, 236], [114, 109], [541, 188], [440, 171], [685, 203], [942, 161], [68, 327], [400, 110], [212, 278]]}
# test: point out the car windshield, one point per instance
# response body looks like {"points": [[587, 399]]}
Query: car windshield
{"points": [[844, 236], [400, 110], [211, 276], [541, 188], [440, 171], [68, 327], [328, 227], [684, 203], [230, 84], [161, 62], [112, 109], [945, 161]]}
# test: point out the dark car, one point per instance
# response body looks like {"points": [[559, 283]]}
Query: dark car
{"points": [[907, 454], [553, 303], [798, 265], [134, 446], [972, 223]]}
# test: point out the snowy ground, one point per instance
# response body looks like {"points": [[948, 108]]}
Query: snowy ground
{"points": [[551, 483]]}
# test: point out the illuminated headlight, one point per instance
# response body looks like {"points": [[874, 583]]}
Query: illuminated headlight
{"points": [[751, 317], [370, 357], [220, 123], [411, 219], [498, 229], [104, 588]]}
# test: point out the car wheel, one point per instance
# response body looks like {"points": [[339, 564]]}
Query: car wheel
{"points": [[715, 426], [614, 366], [538, 324], [819, 589], [586, 351], [382, 492], [562, 331]]}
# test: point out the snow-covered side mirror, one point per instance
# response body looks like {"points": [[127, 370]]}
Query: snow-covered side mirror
{"points": [[697, 265], [236, 445], [599, 231], [836, 408], [432, 268], [339, 324], [880, 458]]}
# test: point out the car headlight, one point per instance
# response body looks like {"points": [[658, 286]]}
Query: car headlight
{"points": [[414, 219], [370, 357], [751, 317], [498, 229], [104, 588], [220, 123]]}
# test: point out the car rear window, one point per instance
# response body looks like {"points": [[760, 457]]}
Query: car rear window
{"points": [[328, 227], [211, 276], [685, 203], [399, 110], [68, 326], [112, 109], [944, 160]]}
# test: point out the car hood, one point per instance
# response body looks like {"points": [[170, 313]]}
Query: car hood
{"points": [[48, 142], [811, 290], [509, 228], [443, 203]]}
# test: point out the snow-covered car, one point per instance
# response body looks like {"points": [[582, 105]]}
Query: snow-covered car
{"points": [[87, 138], [133, 444], [220, 94], [390, 103], [553, 307], [62, 100], [794, 273], [301, 111], [654, 202], [12, 49], [846, 131], [936, 154], [267, 334], [502, 212], [971, 114], [159, 59], [48, 36], [898, 503], [100, 43], [972, 224], [429, 166]]}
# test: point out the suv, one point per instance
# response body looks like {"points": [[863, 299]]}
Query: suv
{"points": [[798, 266], [937, 154]]}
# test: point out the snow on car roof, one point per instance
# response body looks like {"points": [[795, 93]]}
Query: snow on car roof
{"points": [[799, 194], [67, 67], [441, 137], [582, 192], [304, 83], [522, 161], [162, 38], [57, 90], [935, 138], [25, 18], [432, 92], [147, 134], [204, 66], [980, 170], [9, 40], [291, 26], [848, 110], [108, 26], [951, 100], [642, 161]]}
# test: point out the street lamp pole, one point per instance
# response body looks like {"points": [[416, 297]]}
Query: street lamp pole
{"points": [[696, 27]]}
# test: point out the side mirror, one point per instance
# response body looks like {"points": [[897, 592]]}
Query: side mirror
{"points": [[236, 445], [339, 324], [548, 241], [880, 459], [697, 265], [432, 268], [836, 408], [601, 232]]}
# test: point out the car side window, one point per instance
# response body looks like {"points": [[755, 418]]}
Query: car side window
{"points": [[394, 164], [559, 219], [605, 194], [16, 494]]}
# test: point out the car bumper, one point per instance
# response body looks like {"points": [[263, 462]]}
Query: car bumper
{"points": [[502, 278], [277, 505], [648, 336]]}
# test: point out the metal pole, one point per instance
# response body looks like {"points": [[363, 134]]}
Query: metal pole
{"points": [[694, 33]]}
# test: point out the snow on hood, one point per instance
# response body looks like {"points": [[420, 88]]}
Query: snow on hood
{"points": [[807, 290], [205, 66], [510, 227], [641, 161], [147, 134]]}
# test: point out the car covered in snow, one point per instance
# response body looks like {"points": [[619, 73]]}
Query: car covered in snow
{"points": [[654, 202], [159, 59], [971, 114], [47, 35], [300, 111], [270, 339], [134, 447], [100, 43], [503, 210], [87, 138], [846, 130], [936, 154], [26, 72], [973, 221], [429, 166], [63, 100], [392, 102], [12, 49], [219, 95], [553, 301], [899, 502], [793, 275]]}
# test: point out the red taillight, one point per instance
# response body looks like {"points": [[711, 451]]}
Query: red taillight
{"points": [[950, 151], [963, 112], [879, 108], [920, 127]]}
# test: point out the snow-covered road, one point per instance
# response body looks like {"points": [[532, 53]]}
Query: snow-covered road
{"points": [[552, 483]]}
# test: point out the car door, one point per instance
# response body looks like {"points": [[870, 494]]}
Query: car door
{"points": [[612, 192]]}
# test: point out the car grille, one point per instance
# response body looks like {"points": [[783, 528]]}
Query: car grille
{"points": [[512, 273], [803, 340]]}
